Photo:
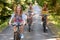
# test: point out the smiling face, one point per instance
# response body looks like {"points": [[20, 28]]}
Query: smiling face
{"points": [[19, 10]]}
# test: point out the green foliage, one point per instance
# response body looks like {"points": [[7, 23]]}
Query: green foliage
{"points": [[5, 10], [40, 2], [4, 25], [53, 5], [7, 5]]}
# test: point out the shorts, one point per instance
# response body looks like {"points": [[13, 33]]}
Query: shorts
{"points": [[29, 20], [16, 24]]}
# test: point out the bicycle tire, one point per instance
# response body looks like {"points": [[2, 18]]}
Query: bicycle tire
{"points": [[16, 36], [19, 36], [44, 26]]}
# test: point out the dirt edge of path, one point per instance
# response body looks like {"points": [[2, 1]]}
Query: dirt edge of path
{"points": [[53, 29]]}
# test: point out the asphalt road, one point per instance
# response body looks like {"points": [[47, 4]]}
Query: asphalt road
{"points": [[36, 34]]}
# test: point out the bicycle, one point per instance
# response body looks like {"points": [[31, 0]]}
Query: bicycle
{"points": [[29, 20], [44, 22], [17, 35]]}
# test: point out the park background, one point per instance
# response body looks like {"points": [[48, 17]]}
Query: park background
{"points": [[6, 9]]}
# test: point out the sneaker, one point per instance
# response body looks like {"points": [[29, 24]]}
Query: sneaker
{"points": [[46, 27], [22, 36]]}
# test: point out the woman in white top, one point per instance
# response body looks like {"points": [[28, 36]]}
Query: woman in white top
{"points": [[18, 15]]}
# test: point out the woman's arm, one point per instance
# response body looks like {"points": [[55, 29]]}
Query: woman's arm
{"points": [[24, 17], [12, 16]]}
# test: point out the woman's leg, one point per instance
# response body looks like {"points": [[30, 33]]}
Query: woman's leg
{"points": [[21, 31], [15, 29]]}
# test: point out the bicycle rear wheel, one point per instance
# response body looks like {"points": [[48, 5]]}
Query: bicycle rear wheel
{"points": [[44, 27], [16, 36]]}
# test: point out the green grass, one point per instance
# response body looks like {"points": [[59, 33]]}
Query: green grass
{"points": [[56, 21], [4, 25]]}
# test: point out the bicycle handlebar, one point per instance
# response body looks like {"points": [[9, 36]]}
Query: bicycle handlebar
{"points": [[44, 14], [18, 24]]}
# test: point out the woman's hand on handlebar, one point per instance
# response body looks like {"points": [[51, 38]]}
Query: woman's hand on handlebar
{"points": [[9, 23]]}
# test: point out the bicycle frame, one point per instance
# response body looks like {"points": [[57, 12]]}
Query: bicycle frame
{"points": [[44, 22], [29, 20], [17, 33]]}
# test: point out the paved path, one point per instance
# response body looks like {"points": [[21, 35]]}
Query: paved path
{"points": [[36, 34]]}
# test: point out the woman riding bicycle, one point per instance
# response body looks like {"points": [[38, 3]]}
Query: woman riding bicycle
{"points": [[44, 16], [30, 14], [18, 17]]}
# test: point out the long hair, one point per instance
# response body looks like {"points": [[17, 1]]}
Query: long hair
{"points": [[20, 10], [45, 6]]}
